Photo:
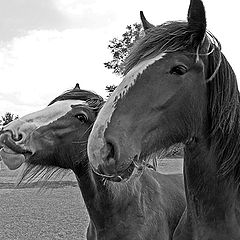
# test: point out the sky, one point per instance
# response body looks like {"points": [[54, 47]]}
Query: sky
{"points": [[47, 46]]}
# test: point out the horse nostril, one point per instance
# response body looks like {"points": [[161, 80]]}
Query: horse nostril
{"points": [[18, 137], [110, 149], [109, 160]]}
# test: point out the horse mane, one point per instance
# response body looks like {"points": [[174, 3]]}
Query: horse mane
{"points": [[168, 37], [94, 100], [40, 175], [223, 112]]}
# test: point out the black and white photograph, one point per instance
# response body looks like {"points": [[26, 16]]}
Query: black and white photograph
{"points": [[119, 120]]}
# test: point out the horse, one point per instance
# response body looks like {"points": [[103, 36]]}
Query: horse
{"points": [[178, 87], [147, 206]]}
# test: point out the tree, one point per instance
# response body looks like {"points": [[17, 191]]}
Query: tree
{"points": [[110, 89], [7, 118], [120, 49]]}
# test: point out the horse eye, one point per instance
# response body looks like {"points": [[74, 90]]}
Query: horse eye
{"points": [[179, 70], [81, 117]]}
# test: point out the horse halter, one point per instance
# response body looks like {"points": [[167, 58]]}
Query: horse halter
{"points": [[108, 177], [125, 174], [212, 45]]}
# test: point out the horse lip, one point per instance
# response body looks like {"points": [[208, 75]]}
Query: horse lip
{"points": [[8, 151]]}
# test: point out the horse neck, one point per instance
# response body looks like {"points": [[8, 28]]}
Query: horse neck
{"points": [[102, 199], [211, 164], [212, 199], [93, 191]]}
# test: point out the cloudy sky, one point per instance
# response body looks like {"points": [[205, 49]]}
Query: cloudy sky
{"points": [[46, 46]]}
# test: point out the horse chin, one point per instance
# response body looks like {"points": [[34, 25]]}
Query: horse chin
{"points": [[117, 176], [12, 159]]}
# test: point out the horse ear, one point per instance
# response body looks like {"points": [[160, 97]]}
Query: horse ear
{"points": [[145, 23], [77, 86], [197, 19]]}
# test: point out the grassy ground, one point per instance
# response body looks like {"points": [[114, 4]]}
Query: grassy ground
{"points": [[56, 213]]}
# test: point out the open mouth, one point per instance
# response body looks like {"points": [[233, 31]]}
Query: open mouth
{"points": [[8, 151], [10, 146], [12, 154], [11, 159]]}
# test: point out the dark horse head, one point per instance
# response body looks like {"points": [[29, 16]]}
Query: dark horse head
{"points": [[43, 135], [179, 88], [163, 98]]}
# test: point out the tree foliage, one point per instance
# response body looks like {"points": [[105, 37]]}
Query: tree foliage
{"points": [[120, 48], [110, 89], [7, 118]]}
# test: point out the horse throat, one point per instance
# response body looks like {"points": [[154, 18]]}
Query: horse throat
{"points": [[102, 199], [93, 192]]}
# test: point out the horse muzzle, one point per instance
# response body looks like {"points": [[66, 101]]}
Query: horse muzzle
{"points": [[105, 163], [13, 155]]}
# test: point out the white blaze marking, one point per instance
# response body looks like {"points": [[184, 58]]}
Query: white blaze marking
{"points": [[106, 112], [52, 112], [128, 81], [44, 116]]}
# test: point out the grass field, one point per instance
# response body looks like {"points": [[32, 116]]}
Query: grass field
{"points": [[55, 213]]}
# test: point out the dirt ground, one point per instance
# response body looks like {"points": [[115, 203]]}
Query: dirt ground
{"points": [[56, 213]]}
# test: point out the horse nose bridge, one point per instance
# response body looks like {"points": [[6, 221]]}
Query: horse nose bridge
{"points": [[104, 145], [97, 146]]}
